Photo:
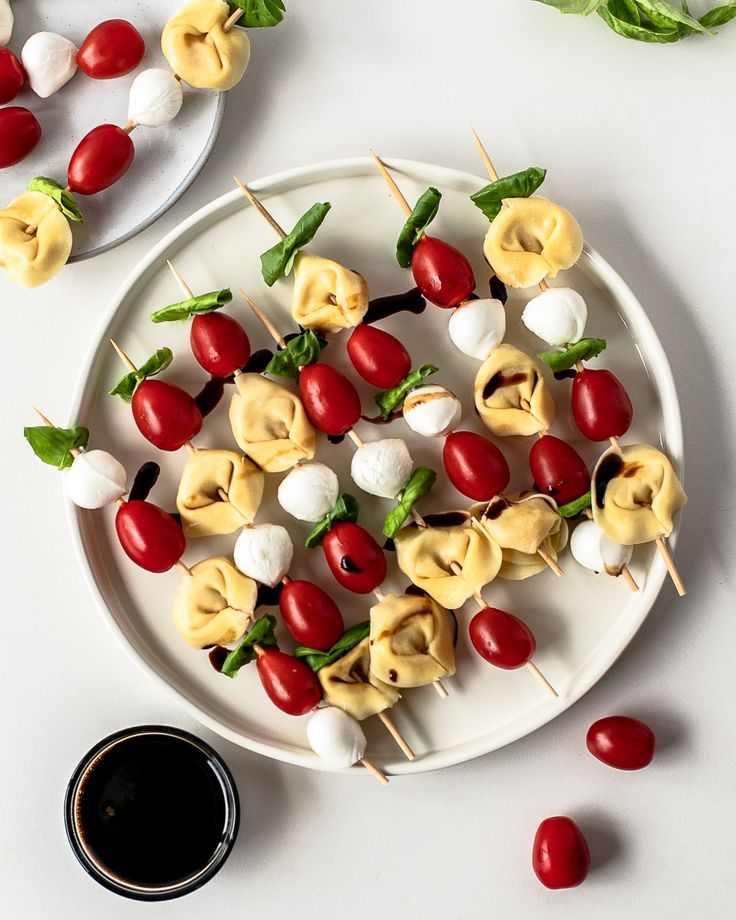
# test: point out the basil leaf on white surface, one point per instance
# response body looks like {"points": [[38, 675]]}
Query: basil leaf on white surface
{"points": [[653, 21], [126, 386], [420, 484], [422, 215], [278, 260], [518, 185], [62, 196], [719, 15], [55, 445], [301, 351], [563, 359], [185, 309], [261, 633], [258, 13]]}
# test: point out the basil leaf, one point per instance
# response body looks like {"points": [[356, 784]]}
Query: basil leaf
{"points": [[346, 508], [63, 197], [719, 15], [641, 33], [388, 400], [258, 13], [261, 633], [185, 309], [626, 10], [126, 386], [563, 359], [317, 659], [300, 351], [661, 13], [420, 484], [519, 185], [277, 261], [579, 7], [54, 445], [576, 507], [424, 212]]}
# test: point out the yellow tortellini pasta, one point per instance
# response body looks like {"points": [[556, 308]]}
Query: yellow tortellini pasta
{"points": [[349, 684], [511, 395], [327, 297], [33, 258]]}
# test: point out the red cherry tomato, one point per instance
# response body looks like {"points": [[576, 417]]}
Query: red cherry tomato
{"points": [[220, 344], [112, 49], [354, 557], [12, 76], [501, 638], [476, 467], [621, 742], [165, 414], [330, 400], [558, 469], [560, 857], [600, 405], [290, 684], [149, 535], [100, 159], [378, 357], [310, 614], [442, 273], [19, 134]]}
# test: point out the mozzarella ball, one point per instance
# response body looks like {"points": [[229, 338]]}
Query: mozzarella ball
{"points": [[264, 553], [155, 98], [309, 491], [592, 549], [557, 316], [382, 467], [50, 61], [432, 411], [336, 737], [95, 479], [6, 22], [476, 327]]}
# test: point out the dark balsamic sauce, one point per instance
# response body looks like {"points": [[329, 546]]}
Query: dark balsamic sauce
{"points": [[335, 438], [347, 565], [378, 420], [210, 395], [258, 361], [498, 289], [446, 518], [608, 469], [494, 511], [217, 657], [565, 375], [500, 380], [144, 480], [392, 675], [267, 596], [389, 545], [413, 589], [383, 307]]}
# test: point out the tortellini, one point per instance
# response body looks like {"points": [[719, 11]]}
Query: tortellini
{"points": [[269, 423], [200, 52], [511, 395], [327, 297], [349, 684], [219, 492], [531, 239], [33, 258], [635, 494]]}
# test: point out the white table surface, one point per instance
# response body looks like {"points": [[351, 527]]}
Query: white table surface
{"points": [[638, 141]]}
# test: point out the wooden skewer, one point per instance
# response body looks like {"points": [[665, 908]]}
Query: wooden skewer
{"points": [[232, 19], [185, 289], [373, 769], [397, 736], [265, 321], [395, 190], [266, 215], [550, 561]]}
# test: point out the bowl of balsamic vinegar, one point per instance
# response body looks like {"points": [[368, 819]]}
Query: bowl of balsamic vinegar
{"points": [[152, 812]]}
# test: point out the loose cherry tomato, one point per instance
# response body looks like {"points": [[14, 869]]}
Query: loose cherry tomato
{"points": [[19, 134], [330, 400], [290, 684], [621, 742], [165, 414], [442, 273], [310, 614], [476, 467], [149, 535], [558, 469], [560, 857], [220, 344], [600, 405], [354, 557], [12, 76], [501, 638], [100, 159], [112, 49], [378, 357]]}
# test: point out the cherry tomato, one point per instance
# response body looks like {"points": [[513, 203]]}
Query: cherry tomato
{"points": [[220, 344], [12, 76], [558, 469], [149, 535], [354, 557], [501, 638], [165, 414], [310, 614], [600, 405], [100, 159], [19, 134], [378, 357], [112, 49], [560, 857], [621, 742], [330, 400], [442, 273], [290, 684], [476, 467]]}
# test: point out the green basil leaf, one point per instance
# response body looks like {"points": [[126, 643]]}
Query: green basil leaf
{"points": [[576, 507], [258, 13], [126, 386], [661, 13], [578, 7], [261, 633], [54, 445], [346, 508], [300, 351], [388, 400], [278, 260], [719, 15], [185, 309], [424, 212], [63, 197], [519, 185], [420, 484], [563, 359], [641, 33], [317, 659], [626, 10]]}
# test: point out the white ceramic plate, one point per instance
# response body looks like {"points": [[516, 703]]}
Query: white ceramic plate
{"points": [[167, 159], [582, 621]]}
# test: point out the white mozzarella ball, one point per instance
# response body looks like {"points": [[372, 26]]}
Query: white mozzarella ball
{"points": [[264, 553], [382, 467], [309, 491], [432, 411], [155, 98], [557, 316], [6, 22], [476, 327], [592, 549], [50, 61], [95, 479], [336, 737]]}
